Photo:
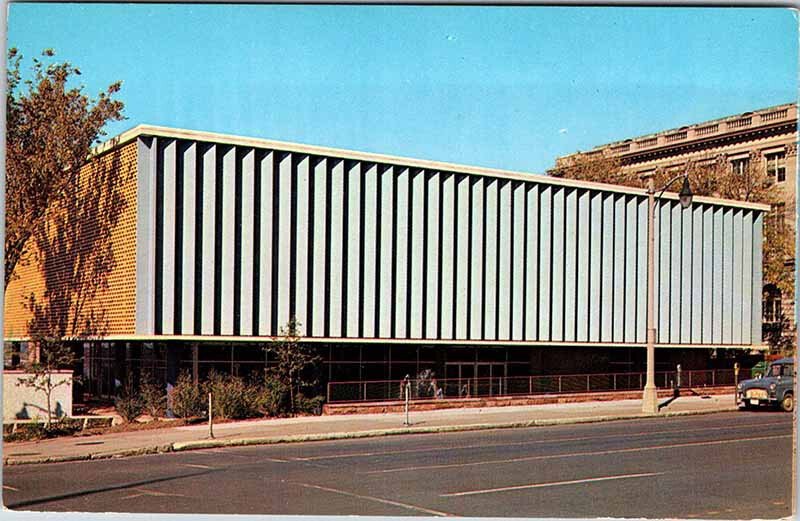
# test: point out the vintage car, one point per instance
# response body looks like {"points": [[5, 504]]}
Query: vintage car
{"points": [[775, 387]]}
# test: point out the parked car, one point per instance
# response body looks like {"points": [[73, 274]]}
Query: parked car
{"points": [[774, 388]]}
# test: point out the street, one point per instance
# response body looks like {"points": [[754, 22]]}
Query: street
{"points": [[718, 466]]}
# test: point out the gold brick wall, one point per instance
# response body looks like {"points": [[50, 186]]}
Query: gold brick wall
{"points": [[80, 274]]}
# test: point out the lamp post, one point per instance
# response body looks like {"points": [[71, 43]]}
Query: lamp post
{"points": [[650, 396]]}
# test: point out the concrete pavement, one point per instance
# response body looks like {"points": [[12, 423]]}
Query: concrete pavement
{"points": [[268, 431]]}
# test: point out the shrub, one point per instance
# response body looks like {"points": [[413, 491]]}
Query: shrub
{"points": [[306, 405], [128, 404], [38, 430], [273, 399], [231, 397], [425, 387], [154, 396], [187, 399]]}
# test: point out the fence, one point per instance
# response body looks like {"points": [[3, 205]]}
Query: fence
{"points": [[383, 390]]}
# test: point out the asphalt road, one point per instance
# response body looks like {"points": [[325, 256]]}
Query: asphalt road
{"points": [[725, 466]]}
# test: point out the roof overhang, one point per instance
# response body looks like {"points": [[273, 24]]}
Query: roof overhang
{"points": [[228, 139]]}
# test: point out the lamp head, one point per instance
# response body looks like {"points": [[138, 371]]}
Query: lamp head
{"points": [[685, 196]]}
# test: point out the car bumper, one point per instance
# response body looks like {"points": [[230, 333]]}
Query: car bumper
{"points": [[741, 401]]}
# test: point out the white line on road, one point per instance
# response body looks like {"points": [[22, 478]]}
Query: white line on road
{"points": [[146, 492], [575, 454], [535, 442], [378, 500], [196, 466], [551, 484], [9, 487]]}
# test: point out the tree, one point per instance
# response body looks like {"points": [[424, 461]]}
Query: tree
{"points": [[594, 167], [53, 355], [51, 127], [295, 363]]}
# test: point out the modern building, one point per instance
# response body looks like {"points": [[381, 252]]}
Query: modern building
{"points": [[189, 250], [766, 137]]}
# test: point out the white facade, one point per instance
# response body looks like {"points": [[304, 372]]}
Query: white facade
{"points": [[361, 246]]}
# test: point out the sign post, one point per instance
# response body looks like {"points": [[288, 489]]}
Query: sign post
{"points": [[210, 419], [407, 397]]}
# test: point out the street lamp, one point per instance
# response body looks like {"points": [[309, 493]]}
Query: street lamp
{"points": [[650, 396]]}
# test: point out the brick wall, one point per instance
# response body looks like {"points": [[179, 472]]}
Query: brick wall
{"points": [[80, 275]]}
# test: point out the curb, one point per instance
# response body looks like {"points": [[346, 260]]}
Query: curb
{"points": [[273, 440], [153, 449]]}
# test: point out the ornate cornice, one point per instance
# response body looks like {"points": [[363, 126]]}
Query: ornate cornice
{"points": [[700, 145]]}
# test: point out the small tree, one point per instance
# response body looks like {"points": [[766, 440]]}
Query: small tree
{"points": [[129, 404], [187, 400], [154, 397], [295, 363], [53, 355]]}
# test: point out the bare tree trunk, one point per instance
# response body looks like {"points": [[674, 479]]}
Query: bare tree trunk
{"points": [[291, 394], [48, 391]]}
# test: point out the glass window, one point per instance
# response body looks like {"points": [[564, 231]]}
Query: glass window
{"points": [[772, 304], [740, 166], [776, 166]]}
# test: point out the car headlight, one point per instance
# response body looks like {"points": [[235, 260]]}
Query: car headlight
{"points": [[739, 386], [772, 387]]}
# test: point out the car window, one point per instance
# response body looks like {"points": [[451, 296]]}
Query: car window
{"points": [[788, 370], [775, 370]]}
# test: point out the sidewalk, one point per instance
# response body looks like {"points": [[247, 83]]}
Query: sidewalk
{"points": [[343, 426]]}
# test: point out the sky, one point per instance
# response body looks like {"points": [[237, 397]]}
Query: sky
{"points": [[503, 87]]}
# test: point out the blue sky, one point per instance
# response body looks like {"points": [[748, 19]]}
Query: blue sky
{"points": [[506, 87]]}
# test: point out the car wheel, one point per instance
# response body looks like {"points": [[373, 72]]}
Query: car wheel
{"points": [[787, 404]]}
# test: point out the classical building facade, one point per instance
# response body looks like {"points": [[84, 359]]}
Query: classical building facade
{"points": [[185, 250], [764, 138]]}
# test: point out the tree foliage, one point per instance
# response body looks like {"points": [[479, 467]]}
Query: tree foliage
{"points": [[295, 364], [51, 127]]}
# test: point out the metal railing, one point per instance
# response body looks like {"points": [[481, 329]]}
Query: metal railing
{"points": [[453, 388]]}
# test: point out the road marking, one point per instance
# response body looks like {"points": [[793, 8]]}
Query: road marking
{"points": [[536, 442], [227, 453], [145, 492], [378, 500], [575, 454], [196, 466], [9, 487], [551, 484]]}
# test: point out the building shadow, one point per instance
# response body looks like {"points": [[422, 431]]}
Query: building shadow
{"points": [[75, 253]]}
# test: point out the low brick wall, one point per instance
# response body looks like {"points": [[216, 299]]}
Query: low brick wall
{"points": [[503, 401], [21, 402]]}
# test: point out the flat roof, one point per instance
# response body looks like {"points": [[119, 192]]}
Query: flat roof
{"points": [[229, 139]]}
